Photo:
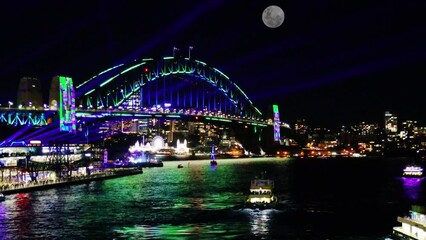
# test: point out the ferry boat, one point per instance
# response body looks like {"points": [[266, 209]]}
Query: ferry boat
{"points": [[413, 226], [412, 170], [261, 194]]}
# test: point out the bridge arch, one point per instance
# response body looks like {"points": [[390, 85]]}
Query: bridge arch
{"points": [[169, 82]]}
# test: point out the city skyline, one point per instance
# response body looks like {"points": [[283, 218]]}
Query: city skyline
{"points": [[386, 123], [330, 63]]}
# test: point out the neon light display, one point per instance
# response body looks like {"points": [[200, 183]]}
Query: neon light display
{"points": [[277, 136], [67, 119], [29, 118], [140, 93], [413, 171]]}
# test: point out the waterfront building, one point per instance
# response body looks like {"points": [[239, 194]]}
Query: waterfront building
{"points": [[301, 127], [414, 225], [391, 123], [408, 129], [391, 129], [366, 129]]}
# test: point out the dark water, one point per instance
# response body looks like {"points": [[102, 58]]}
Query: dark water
{"points": [[323, 199]]}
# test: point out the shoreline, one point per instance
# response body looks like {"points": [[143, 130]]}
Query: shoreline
{"points": [[73, 181]]}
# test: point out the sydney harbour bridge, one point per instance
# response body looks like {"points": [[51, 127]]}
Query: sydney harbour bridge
{"points": [[132, 95]]}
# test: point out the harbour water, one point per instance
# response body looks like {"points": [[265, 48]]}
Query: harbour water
{"points": [[348, 198]]}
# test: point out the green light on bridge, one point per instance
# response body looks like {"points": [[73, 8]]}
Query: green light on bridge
{"points": [[130, 68], [89, 92], [109, 80], [173, 116], [219, 119], [109, 69], [203, 63], [217, 70]]}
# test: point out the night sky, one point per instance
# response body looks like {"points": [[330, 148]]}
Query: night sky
{"points": [[330, 62]]}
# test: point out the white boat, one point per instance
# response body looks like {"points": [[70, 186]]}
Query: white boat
{"points": [[412, 226], [412, 171], [261, 194]]}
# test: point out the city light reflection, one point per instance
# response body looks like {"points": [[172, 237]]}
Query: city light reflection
{"points": [[185, 231], [412, 187], [260, 222]]}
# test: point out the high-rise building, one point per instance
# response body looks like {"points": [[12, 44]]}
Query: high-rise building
{"points": [[29, 93], [300, 127], [408, 129], [391, 123], [365, 129]]}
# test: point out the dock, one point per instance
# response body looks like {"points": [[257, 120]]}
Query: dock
{"points": [[36, 186]]}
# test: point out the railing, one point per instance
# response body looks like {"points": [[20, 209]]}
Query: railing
{"points": [[13, 186]]}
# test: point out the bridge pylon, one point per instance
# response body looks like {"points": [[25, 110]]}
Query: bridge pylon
{"points": [[62, 99]]}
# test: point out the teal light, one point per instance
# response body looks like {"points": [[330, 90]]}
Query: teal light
{"points": [[130, 68], [89, 92], [217, 70], [109, 80], [257, 110], [203, 63], [173, 116], [109, 69], [221, 120]]}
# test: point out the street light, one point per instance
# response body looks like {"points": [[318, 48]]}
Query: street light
{"points": [[10, 103]]}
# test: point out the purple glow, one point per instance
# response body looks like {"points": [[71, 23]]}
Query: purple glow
{"points": [[277, 136], [176, 27], [16, 135], [412, 187]]}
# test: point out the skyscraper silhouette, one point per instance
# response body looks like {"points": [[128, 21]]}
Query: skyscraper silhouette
{"points": [[29, 93]]}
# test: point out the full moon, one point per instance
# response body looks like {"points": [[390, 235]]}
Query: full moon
{"points": [[273, 16]]}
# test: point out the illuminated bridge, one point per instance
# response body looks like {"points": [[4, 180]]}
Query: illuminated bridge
{"points": [[167, 88], [174, 83]]}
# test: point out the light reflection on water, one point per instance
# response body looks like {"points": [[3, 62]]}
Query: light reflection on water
{"points": [[412, 187], [260, 220], [258, 228], [184, 231], [198, 202]]}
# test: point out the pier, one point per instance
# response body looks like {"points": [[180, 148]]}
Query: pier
{"points": [[66, 181]]}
